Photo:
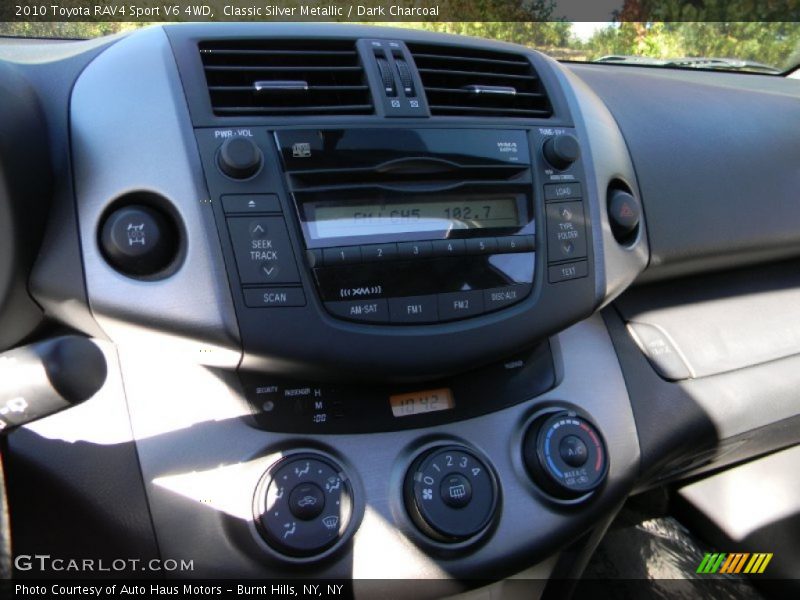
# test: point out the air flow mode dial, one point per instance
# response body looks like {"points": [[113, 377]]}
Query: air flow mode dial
{"points": [[304, 504]]}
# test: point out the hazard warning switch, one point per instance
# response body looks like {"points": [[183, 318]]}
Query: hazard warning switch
{"points": [[624, 214]]}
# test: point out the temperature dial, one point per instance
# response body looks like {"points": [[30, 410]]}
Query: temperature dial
{"points": [[565, 455], [451, 494]]}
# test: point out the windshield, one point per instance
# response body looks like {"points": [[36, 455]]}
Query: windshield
{"points": [[767, 47]]}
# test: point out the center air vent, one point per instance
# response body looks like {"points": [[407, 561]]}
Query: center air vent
{"points": [[465, 81], [285, 77]]}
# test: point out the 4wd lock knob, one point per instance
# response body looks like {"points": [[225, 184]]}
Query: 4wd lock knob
{"points": [[561, 151], [239, 157], [139, 240]]}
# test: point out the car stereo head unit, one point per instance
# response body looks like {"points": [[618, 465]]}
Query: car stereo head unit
{"points": [[413, 226], [398, 250]]}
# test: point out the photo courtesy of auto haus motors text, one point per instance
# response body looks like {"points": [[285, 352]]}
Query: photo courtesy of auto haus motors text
{"points": [[278, 590]]}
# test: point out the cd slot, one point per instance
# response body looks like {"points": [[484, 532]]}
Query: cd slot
{"points": [[409, 172]]}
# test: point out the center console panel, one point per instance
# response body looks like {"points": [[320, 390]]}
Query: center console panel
{"points": [[404, 303]]}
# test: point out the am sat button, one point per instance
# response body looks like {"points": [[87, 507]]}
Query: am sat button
{"points": [[567, 271], [504, 296], [459, 305], [368, 311], [267, 297]]}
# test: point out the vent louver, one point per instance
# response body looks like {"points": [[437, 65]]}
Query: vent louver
{"points": [[285, 77], [468, 82]]}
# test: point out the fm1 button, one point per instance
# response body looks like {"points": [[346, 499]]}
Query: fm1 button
{"points": [[306, 501], [456, 491], [138, 240]]}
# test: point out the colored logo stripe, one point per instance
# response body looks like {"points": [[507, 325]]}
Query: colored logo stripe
{"points": [[758, 563], [734, 562]]}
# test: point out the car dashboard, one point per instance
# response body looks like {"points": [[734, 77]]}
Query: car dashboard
{"points": [[384, 304]]}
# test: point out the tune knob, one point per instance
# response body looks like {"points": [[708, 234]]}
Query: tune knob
{"points": [[565, 455], [239, 157], [561, 151]]}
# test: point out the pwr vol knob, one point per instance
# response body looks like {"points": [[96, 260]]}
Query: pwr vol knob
{"points": [[565, 455], [239, 157]]}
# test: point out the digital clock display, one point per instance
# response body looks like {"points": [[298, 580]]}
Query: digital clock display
{"points": [[425, 214], [423, 402]]}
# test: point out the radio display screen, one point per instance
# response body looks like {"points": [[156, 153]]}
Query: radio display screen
{"points": [[342, 219]]}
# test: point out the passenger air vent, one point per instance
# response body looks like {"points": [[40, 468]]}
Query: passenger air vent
{"points": [[464, 81], [285, 78]]}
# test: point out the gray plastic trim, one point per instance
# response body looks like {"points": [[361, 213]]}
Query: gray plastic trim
{"points": [[131, 131], [201, 461], [607, 160]]}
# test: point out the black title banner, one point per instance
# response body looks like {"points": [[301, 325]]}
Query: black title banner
{"points": [[399, 10]]}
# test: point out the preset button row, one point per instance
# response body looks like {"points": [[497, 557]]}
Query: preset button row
{"points": [[348, 255]]}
